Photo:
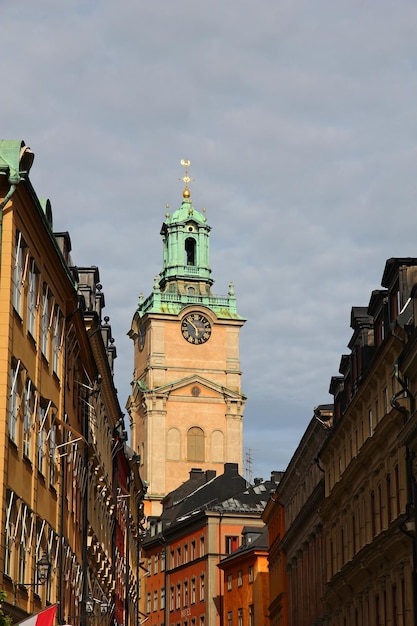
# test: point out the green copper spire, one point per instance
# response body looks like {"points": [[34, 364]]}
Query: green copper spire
{"points": [[185, 277]]}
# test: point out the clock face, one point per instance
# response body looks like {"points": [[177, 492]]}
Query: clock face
{"points": [[196, 328]]}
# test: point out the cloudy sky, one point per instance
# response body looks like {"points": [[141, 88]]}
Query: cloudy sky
{"points": [[300, 121]]}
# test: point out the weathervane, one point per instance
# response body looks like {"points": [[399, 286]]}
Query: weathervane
{"points": [[186, 178]]}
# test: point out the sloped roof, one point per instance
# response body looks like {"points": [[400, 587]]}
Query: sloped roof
{"points": [[227, 493]]}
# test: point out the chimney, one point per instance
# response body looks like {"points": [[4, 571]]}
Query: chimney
{"points": [[195, 472], [231, 468]]}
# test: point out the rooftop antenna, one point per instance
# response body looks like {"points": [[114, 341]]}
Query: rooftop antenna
{"points": [[247, 466]]}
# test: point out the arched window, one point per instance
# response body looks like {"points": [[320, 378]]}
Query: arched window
{"points": [[195, 444], [190, 251]]}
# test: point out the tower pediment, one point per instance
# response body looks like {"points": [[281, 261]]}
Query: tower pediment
{"points": [[194, 386]]}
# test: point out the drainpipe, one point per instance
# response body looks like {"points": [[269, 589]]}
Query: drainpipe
{"points": [[13, 180], [9, 193]]}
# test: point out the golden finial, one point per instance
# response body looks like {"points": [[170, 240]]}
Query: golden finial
{"points": [[186, 178]]}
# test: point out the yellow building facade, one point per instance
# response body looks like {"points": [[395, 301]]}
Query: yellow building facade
{"points": [[63, 483]]}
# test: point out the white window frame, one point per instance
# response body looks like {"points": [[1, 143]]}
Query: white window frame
{"points": [[28, 409], [202, 587], [45, 322], [18, 273], [41, 439], [32, 298], [56, 340], [13, 408], [52, 455]]}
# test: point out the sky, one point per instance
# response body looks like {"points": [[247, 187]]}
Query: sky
{"points": [[300, 121]]}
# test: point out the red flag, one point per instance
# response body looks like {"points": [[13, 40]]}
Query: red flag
{"points": [[44, 618]]}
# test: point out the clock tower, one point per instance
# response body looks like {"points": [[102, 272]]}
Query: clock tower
{"points": [[186, 405]]}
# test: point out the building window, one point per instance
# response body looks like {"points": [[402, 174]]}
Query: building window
{"points": [[195, 444], [163, 561], [386, 400], [52, 456], [13, 400], [193, 550], [32, 297], [148, 602], [202, 588], [202, 620], [178, 556], [171, 598], [155, 563], [193, 591], [172, 558], [28, 410], [22, 545], [202, 547], [240, 617], [229, 618], [239, 578], [42, 416], [186, 553], [178, 602], [45, 321], [229, 582], [232, 544], [9, 532], [155, 600], [251, 615], [57, 329], [250, 574], [162, 599], [18, 278], [185, 589]]}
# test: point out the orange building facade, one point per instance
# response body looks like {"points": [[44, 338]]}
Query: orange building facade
{"points": [[246, 581], [187, 543]]}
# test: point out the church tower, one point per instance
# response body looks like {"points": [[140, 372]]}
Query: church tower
{"points": [[186, 405]]}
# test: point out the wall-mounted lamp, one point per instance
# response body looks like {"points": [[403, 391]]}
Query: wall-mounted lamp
{"points": [[91, 602], [90, 605], [43, 570]]}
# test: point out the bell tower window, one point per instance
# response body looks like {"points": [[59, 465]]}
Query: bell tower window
{"points": [[190, 251]]}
